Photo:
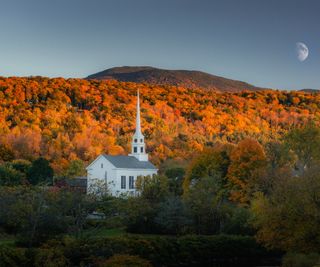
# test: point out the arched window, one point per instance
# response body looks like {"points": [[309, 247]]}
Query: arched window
{"points": [[141, 149], [135, 149], [135, 140]]}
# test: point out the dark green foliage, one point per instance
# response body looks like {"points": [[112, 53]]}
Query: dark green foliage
{"points": [[139, 214], [40, 172], [207, 206], [175, 177], [237, 221], [21, 165], [13, 257], [300, 260], [170, 251], [305, 143], [36, 215], [6, 154], [288, 218], [222, 250], [10, 176], [173, 217], [50, 257]]}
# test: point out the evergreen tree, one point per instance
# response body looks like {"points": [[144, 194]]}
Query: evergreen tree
{"points": [[40, 172]]}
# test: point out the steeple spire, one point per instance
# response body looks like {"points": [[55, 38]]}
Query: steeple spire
{"points": [[138, 124], [138, 149]]}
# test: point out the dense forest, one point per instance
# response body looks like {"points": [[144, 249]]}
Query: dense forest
{"points": [[69, 119], [238, 184]]}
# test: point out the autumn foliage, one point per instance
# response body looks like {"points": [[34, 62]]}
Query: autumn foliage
{"points": [[69, 119]]}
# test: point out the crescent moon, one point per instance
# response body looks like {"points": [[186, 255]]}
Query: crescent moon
{"points": [[302, 51]]}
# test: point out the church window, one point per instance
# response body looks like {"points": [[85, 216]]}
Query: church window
{"points": [[131, 182], [106, 178], [101, 165], [135, 149], [123, 182], [135, 140], [141, 140], [141, 149]]}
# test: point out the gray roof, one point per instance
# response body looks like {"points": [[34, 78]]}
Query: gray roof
{"points": [[129, 162], [77, 182]]}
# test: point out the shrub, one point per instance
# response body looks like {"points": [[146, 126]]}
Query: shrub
{"points": [[222, 250], [120, 260], [13, 257], [50, 258], [300, 260]]}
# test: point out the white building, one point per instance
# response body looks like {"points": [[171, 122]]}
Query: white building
{"points": [[119, 173]]}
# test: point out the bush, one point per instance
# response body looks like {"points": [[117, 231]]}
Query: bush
{"points": [[50, 258], [119, 260], [300, 260], [219, 250], [13, 257]]}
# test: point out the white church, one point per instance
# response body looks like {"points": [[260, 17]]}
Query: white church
{"points": [[119, 173]]}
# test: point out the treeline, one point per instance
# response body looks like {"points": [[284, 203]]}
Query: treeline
{"points": [[75, 119]]}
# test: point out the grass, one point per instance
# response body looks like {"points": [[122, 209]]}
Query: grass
{"points": [[104, 232], [7, 240]]}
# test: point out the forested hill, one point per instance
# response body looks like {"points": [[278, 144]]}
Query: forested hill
{"points": [[184, 78], [65, 119]]}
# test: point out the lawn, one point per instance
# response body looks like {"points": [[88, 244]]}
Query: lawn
{"points": [[103, 232], [7, 240]]}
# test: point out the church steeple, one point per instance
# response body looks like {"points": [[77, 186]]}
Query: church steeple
{"points": [[138, 148], [138, 124]]}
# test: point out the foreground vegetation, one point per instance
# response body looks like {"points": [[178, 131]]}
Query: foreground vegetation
{"points": [[242, 204]]}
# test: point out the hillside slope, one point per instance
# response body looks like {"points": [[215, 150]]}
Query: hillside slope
{"points": [[66, 119], [183, 78]]}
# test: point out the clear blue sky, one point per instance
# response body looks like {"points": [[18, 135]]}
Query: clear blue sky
{"points": [[248, 40]]}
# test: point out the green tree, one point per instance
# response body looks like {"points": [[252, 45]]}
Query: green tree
{"points": [[288, 218], [75, 168], [212, 162], [10, 176], [37, 214], [21, 165], [206, 202], [173, 217], [175, 177], [153, 188], [305, 143], [40, 172]]}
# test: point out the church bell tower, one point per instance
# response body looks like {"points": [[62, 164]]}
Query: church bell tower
{"points": [[138, 147]]}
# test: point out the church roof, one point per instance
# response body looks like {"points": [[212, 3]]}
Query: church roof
{"points": [[129, 162]]}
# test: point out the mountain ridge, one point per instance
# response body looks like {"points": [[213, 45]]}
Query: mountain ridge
{"points": [[185, 78]]}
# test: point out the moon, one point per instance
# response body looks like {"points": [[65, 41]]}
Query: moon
{"points": [[302, 51]]}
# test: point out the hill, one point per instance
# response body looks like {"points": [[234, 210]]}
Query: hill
{"points": [[312, 91], [66, 119], [184, 78]]}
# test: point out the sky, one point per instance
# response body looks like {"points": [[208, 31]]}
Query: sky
{"points": [[248, 40]]}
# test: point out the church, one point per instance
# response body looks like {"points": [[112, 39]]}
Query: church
{"points": [[119, 173]]}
